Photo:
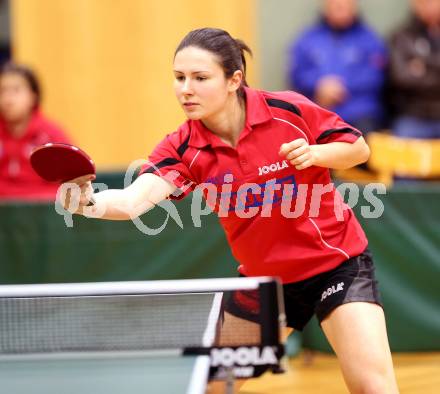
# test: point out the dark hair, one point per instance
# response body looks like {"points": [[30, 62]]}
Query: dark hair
{"points": [[27, 74], [230, 51]]}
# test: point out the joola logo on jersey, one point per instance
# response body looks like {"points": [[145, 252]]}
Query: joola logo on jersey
{"points": [[332, 290], [272, 167], [227, 357]]}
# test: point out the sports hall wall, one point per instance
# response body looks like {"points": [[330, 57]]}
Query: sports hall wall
{"points": [[278, 21], [106, 65]]}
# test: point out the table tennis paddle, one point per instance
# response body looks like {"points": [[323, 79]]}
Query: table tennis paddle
{"points": [[57, 162]]}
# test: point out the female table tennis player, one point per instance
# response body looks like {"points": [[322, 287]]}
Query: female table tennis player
{"points": [[236, 135]]}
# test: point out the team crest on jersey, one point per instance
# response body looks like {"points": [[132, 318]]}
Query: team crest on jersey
{"points": [[274, 167]]}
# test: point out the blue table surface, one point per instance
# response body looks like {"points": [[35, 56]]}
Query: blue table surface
{"points": [[108, 373]]}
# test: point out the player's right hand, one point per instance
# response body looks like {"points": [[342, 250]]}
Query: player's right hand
{"points": [[76, 193]]}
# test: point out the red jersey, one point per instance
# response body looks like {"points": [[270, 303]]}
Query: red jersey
{"points": [[278, 220], [17, 178]]}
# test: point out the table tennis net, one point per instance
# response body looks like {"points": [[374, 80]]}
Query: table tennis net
{"points": [[129, 322]]}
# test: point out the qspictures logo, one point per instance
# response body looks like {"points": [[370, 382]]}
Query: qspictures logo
{"points": [[293, 200]]}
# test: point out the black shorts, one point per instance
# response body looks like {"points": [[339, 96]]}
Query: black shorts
{"points": [[351, 281]]}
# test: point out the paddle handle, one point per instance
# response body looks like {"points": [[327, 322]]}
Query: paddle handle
{"points": [[92, 202]]}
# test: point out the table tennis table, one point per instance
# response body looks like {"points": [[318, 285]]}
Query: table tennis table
{"points": [[115, 337], [112, 373]]}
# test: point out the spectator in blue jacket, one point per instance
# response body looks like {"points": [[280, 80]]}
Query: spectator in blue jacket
{"points": [[340, 63]]}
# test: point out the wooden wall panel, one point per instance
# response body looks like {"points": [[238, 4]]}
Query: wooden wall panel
{"points": [[106, 65]]}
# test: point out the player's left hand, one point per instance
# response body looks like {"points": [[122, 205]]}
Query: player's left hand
{"points": [[299, 153]]}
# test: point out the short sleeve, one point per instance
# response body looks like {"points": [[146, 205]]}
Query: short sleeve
{"points": [[166, 161], [326, 126]]}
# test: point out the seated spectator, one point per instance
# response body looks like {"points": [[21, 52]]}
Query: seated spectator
{"points": [[22, 127], [339, 62], [415, 73]]}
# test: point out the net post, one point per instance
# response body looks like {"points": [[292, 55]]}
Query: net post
{"points": [[273, 316], [271, 309]]}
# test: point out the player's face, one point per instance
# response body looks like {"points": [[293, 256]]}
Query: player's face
{"points": [[200, 84], [16, 97]]}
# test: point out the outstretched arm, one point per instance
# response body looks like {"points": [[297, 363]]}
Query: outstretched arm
{"points": [[116, 204]]}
